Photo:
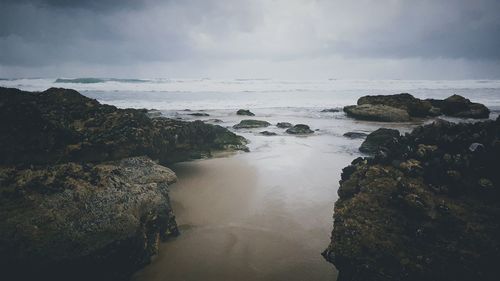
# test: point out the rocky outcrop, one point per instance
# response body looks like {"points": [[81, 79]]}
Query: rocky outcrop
{"points": [[382, 113], [199, 114], [330, 110], [426, 208], [80, 197], [458, 106], [379, 140], [299, 129], [244, 112], [390, 108], [61, 125], [414, 106], [249, 124]]}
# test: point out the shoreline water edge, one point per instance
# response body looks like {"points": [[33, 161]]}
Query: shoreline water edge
{"points": [[84, 186]]}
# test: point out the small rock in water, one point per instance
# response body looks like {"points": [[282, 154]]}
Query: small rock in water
{"points": [[267, 133], [355, 135], [249, 123], [332, 110], [284, 125], [198, 114], [244, 112], [214, 121], [300, 129]]}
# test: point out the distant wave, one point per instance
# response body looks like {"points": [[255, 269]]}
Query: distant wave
{"points": [[91, 80]]}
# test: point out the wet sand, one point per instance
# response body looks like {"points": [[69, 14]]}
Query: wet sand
{"points": [[263, 215]]}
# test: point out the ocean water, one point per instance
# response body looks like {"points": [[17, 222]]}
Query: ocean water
{"points": [[266, 214]]}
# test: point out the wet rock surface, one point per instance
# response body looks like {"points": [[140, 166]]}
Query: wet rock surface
{"points": [[268, 133], [402, 107], [377, 112], [299, 129], [245, 112], [355, 135], [80, 196], [379, 140], [249, 124], [425, 208], [284, 125]]}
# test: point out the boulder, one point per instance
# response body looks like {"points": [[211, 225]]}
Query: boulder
{"points": [[249, 123], [244, 112], [199, 114], [458, 106], [428, 209], [267, 133], [414, 106], [378, 140], [355, 135], [299, 129], [331, 110], [284, 125], [381, 113]]}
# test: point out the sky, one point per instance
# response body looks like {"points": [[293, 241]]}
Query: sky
{"points": [[290, 39]]}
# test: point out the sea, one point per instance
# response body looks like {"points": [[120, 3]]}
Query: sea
{"points": [[264, 214]]}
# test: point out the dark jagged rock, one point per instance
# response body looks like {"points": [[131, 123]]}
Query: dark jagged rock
{"points": [[267, 133], [284, 125], [355, 135], [299, 129], [428, 208], [244, 112], [377, 112], [331, 110], [415, 107], [379, 140], [199, 114], [249, 123], [78, 198], [60, 125], [458, 106]]}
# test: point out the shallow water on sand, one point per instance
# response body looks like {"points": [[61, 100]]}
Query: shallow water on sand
{"points": [[263, 215]]}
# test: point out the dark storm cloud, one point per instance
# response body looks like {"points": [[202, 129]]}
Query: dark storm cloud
{"points": [[36, 33]]}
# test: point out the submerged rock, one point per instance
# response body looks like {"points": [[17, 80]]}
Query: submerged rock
{"points": [[199, 114], [284, 125], [331, 110], [428, 209], [299, 129], [379, 140], [244, 112], [355, 135], [249, 123], [377, 112], [267, 133]]}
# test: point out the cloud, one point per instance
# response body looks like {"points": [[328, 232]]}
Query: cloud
{"points": [[189, 34]]}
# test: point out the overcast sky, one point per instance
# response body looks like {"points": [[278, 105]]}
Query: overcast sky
{"points": [[308, 39]]}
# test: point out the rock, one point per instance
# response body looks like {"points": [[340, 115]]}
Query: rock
{"points": [[249, 123], [381, 113], [90, 222], [61, 125], [284, 125], [77, 196], [428, 210], [458, 106], [244, 112], [199, 114], [378, 140], [213, 121], [413, 106], [355, 135], [299, 129], [331, 110], [267, 133]]}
